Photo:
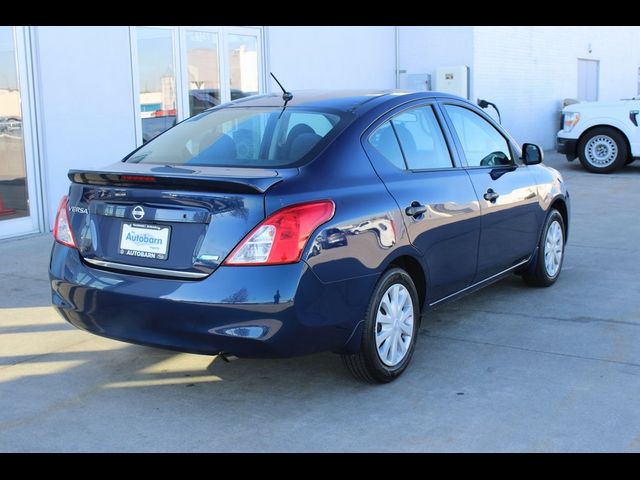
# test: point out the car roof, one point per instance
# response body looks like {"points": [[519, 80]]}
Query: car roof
{"points": [[345, 100]]}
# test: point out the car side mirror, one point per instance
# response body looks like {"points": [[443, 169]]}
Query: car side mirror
{"points": [[532, 154]]}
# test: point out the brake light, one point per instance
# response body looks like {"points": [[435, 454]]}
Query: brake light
{"points": [[138, 178], [281, 237], [62, 227]]}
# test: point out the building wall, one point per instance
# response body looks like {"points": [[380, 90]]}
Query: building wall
{"points": [[86, 109], [331, 57], [423, 49], [86, 101], [529, 71]]}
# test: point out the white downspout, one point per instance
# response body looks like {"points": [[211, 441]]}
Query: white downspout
{"points": [[397, 40]]}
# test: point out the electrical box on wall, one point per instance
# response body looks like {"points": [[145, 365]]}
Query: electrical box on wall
{"points": [[454, 80], [414, 81]]}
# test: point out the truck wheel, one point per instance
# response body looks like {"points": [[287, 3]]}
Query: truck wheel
{"points": [[603, 150]]}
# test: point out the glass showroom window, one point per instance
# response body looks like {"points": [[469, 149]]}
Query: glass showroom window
{"points": [[19, 199], [14, 197], [203, 70], [157, 80], [243, 65], [182, 71]]}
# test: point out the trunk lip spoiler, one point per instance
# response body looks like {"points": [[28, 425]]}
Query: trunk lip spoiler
{"points": [[240, 184]]}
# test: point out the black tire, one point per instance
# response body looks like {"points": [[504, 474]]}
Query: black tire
{"points": [[366, 365], [540, 277], [630, 160], [611, 139]]}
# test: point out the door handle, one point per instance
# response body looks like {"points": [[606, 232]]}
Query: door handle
{"points": [[415, 209], [491, 196]]}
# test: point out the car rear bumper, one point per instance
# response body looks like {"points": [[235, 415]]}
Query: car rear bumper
{"points": [[567, 146], [274, 311]]}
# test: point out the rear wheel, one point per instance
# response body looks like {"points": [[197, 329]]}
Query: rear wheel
{"points": [[603, 150], [390, 330]]}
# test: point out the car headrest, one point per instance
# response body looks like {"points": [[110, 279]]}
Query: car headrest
{"points": [[302, 144]]}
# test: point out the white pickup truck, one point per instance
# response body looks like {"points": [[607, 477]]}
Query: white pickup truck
{"points": [[605, 136]]}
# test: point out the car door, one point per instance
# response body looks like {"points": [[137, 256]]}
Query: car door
{"points": [[413, 156], [506, 189]]}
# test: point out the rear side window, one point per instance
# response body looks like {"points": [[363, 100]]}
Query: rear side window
{"points": [[245, 137], [384, 140], [413, 140], [421, 139]]}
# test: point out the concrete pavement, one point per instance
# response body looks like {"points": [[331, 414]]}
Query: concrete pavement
{"points": [[510, 368]]}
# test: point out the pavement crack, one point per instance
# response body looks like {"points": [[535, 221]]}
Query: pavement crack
{"points": [[580, 319], [533, 350], [19, 276], [599, 247], [40, 355]]}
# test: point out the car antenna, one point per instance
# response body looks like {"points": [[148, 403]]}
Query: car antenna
{"points": [[286, 96]]}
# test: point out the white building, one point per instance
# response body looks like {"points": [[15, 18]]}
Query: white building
{"points": [[89, 95]]}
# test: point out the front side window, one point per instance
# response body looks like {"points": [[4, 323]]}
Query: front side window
{"points": [[483, 145], [245, 137], [413, 140]]}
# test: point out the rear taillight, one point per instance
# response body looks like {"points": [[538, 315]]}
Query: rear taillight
{"points": [[62, 227], [281, 237]]}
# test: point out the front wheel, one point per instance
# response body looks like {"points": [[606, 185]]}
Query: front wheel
{"points": [[603, 150], [550, 252], [390, 330]]}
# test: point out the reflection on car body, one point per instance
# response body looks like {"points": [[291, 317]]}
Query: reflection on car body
{"points": [[332, 238], [382, 228]]}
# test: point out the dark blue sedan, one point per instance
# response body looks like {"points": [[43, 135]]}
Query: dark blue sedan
{"points": [[259, 229]]}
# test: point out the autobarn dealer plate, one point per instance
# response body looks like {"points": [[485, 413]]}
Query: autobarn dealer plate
{"points": [[146, 241]]}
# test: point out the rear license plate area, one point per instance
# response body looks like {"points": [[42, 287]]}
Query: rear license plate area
{"points": [[145, 241]]}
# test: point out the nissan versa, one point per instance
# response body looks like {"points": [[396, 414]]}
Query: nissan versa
{"points": [[281, 225]]}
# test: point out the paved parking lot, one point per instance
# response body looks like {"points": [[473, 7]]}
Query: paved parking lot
{"points": [[509, 368]]}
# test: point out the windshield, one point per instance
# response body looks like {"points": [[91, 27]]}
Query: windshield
{"points": [[244, 137]]}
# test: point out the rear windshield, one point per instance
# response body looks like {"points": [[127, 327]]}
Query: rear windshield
{"points": [[244, 137]]}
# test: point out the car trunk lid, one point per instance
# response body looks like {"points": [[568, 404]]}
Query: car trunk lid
{"points": [[165, 221]]}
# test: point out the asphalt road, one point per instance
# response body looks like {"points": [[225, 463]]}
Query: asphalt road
{"points": [[510, 368]]}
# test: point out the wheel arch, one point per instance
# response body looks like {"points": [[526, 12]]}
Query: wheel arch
{"points": [[561, 205], [584, 134], [413, 267]]}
